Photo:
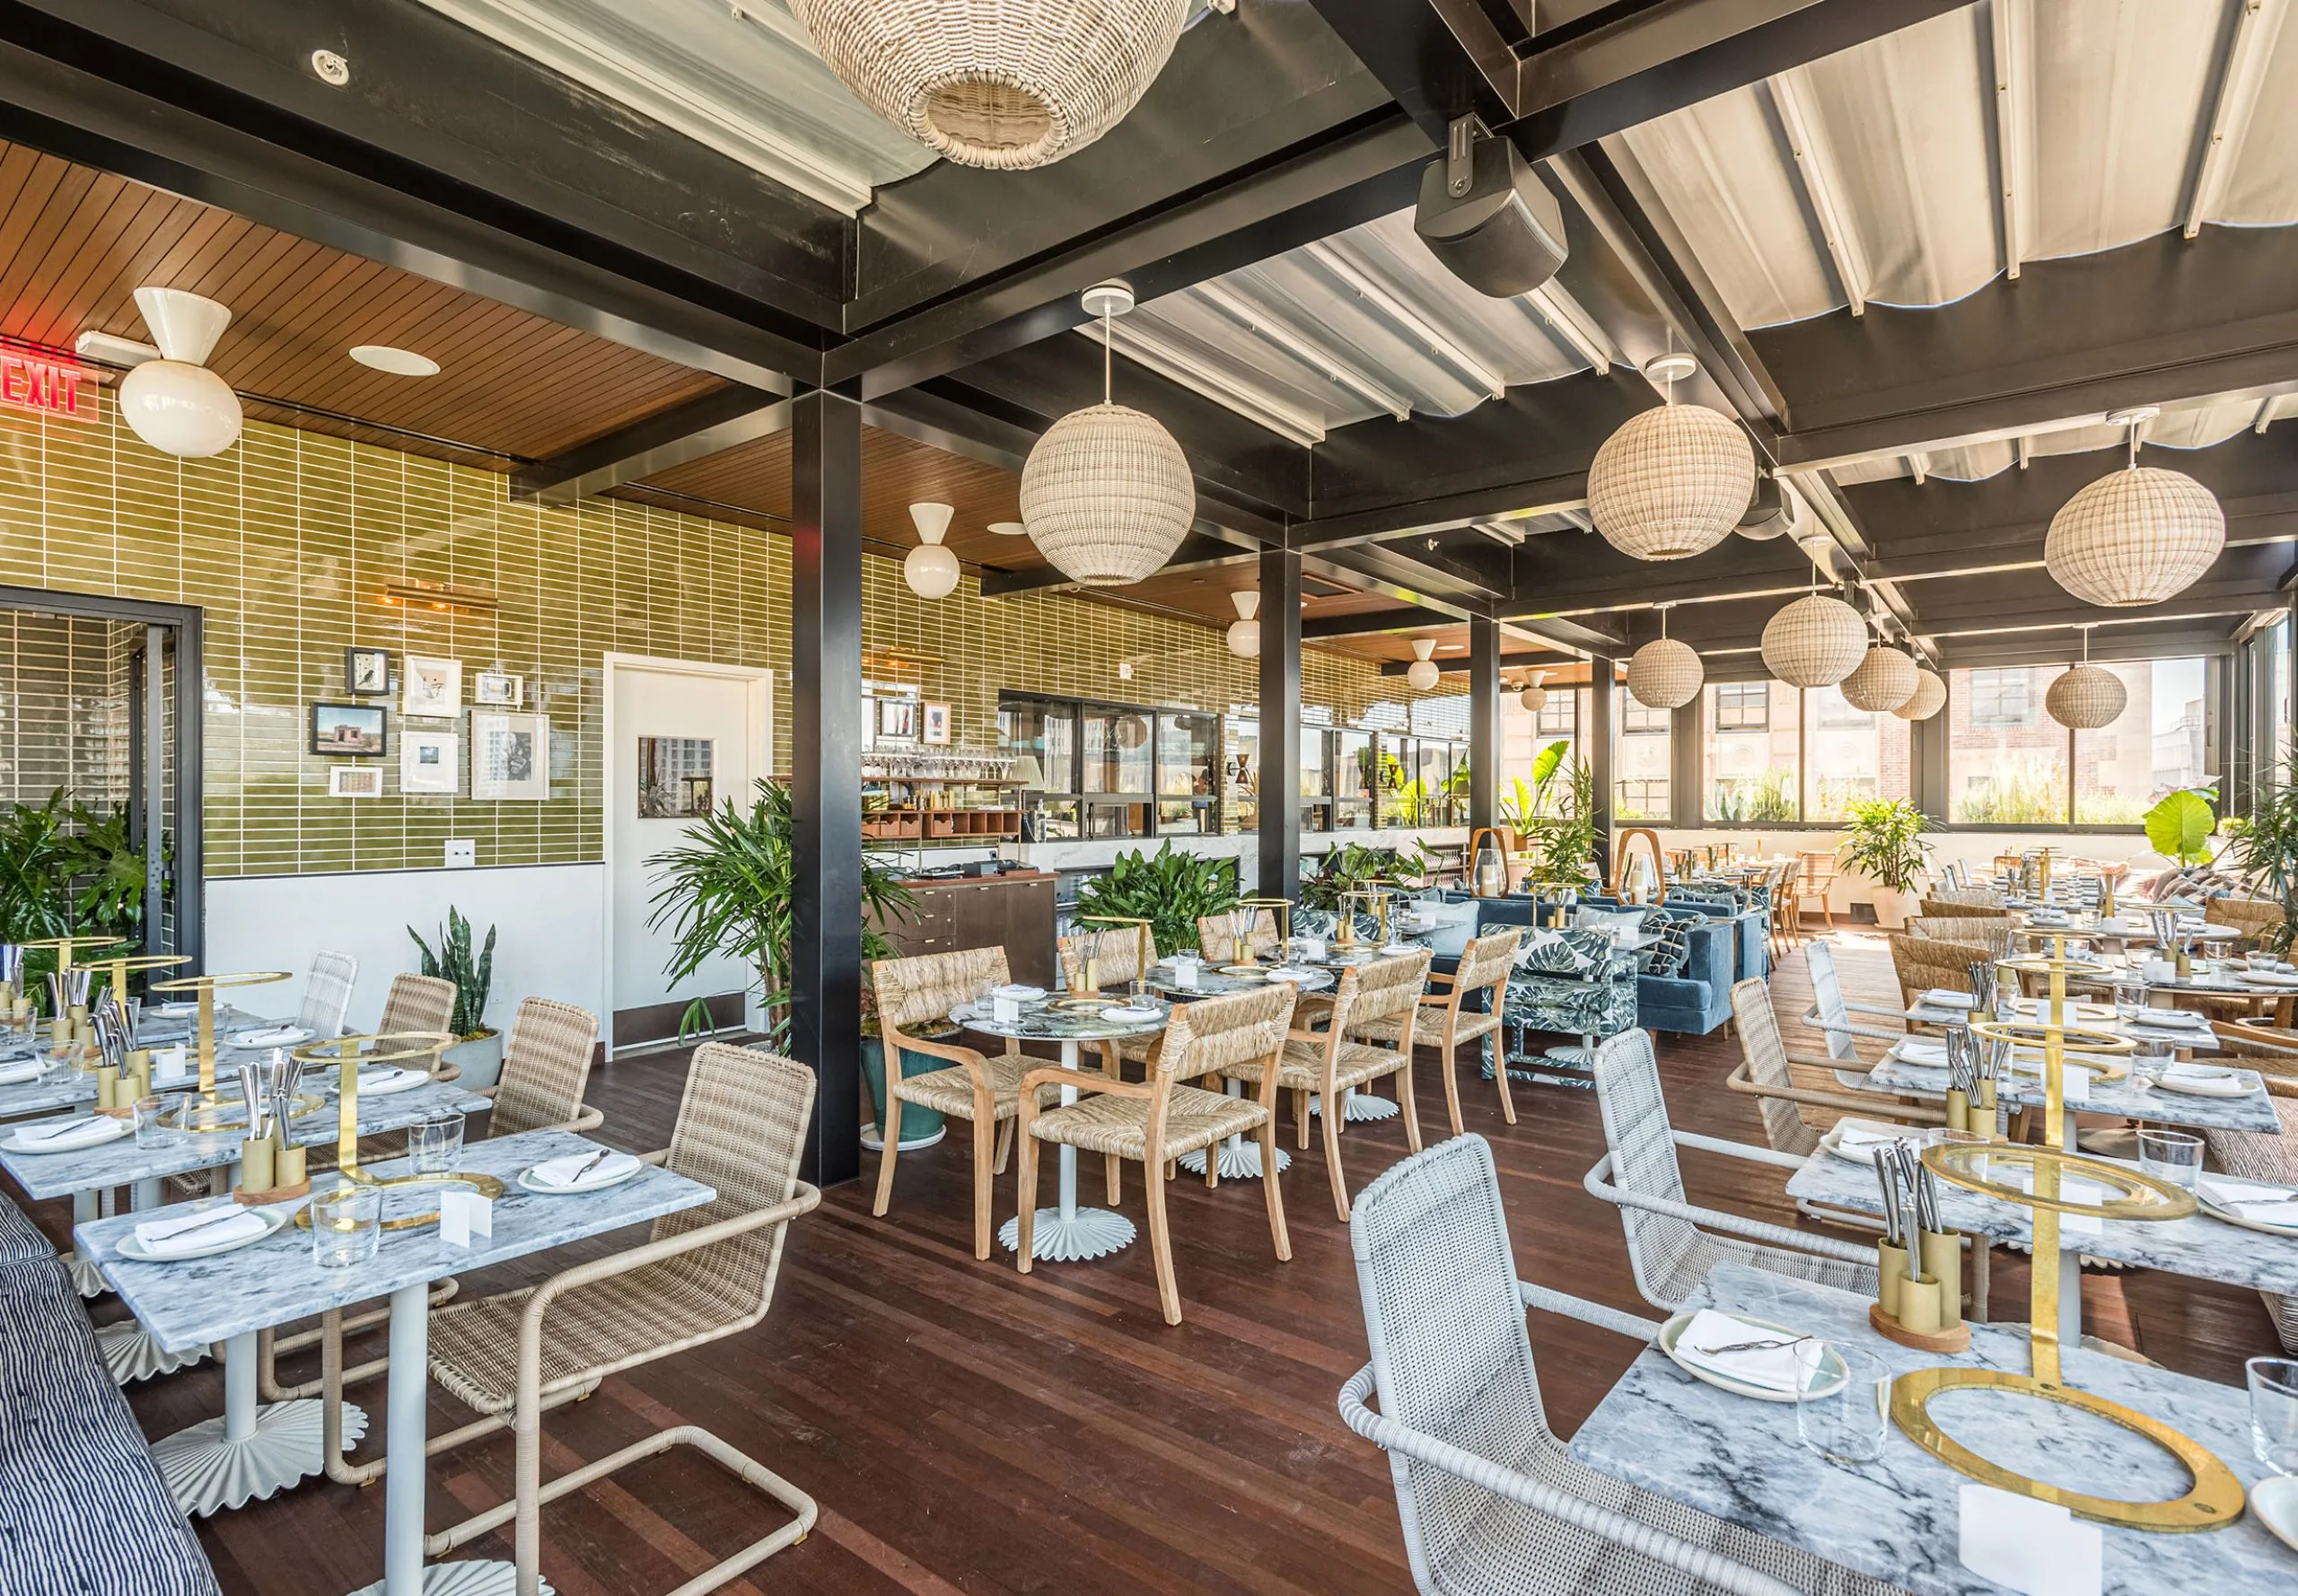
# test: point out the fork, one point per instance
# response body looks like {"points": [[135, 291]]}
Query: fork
{"points": [[1752, 1345]]}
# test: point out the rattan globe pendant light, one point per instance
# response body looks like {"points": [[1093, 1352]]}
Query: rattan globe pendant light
{"points": [[1107, 494], [2086, 698], [1244, 632], [1534, 697], [1673, 481], [930, 569], [1929, 698], [1817, 640], [1665, 674], [1423, 673], [2136, 536], [1885, 680], [1011, 85]]}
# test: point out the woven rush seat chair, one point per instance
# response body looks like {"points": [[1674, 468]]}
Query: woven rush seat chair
{"points": [[422, 1003], [1329, 1063], [1668, 1248], [1492, 1505], [2255, 917], [1112, 957], [1923, 962], [1157, 1121], [545, 1069], [327, 994], [701, 1275], [1484, 966], [1812, 883], [985, 1089]]}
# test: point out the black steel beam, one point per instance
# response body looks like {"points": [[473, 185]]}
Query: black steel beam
{"points": [[826, 773], [2113, 643], [1408, 618], [1197, 551], [1484, 738], [1279, 807], [716, 421]]}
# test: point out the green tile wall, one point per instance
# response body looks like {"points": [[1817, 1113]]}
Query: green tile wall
{"points": [[285, 542]]}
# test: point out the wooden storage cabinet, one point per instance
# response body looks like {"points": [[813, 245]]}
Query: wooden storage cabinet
{"points": [[1013, 911]]}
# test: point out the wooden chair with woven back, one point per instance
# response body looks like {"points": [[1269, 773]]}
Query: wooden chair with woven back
{"points": [[2254, 918], [1923, 962], [1329, 1063], [419, 1003], [2264, 1156], [1486, 964], [1156, 1121], [1992, 932], [1092, 961], [1812, 881], [985, 1089]]}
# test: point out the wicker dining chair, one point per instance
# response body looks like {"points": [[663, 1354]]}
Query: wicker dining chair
{"points": [[2254, 918], [1216, 937], [1923, 962], [1667, 1248], [1112, 956], [327, 994], [1812, 883], [546, 1068], [1491, 1503], [1950, 899], [1486, 964], [1165, 1117], [1330, 1062], [982, 1089], [701, 1275], [1767, 1073], [1995, 932], [421, 1003], [1832, 1014]]}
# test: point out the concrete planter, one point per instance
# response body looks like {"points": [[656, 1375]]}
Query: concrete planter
{"points": [[480, 1059]]}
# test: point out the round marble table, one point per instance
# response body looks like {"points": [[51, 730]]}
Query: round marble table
{"points": [[1067, 1234], [1239, 1160], [1356, 1107]]}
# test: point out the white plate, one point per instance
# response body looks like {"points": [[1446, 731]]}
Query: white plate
{"points": [[2147, 1017], [1832, 1373], [282, 1036], [408, 1083], [1019, 992], [541, 1189], [2231, 1086], [2236, 1216], [129, 1247], [1833, 1142], [2267, 981], [118, 1128], [2274, 1500], [1131, 1015]]}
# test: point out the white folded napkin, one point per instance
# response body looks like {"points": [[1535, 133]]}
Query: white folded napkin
{"points": [[2170, 1019], [561, 1172], [1774, 1368], [278, 1036], [67, 1133], [165, 1237], [1286, 972], [2250, 1200], [1940, 997], [390, 1078], [16, 1074], [1922, 1055], [2210, 1080], [1018, 991], [1860, 1143], [1130, 1011]]}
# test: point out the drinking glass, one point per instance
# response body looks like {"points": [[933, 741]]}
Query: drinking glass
{"points": [[346, 1225], [1845, 1426], [434, 1143], [149, 1113], [2274, 1412], [2170, 1155]]}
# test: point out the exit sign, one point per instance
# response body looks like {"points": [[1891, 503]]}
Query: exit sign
{"points": [[48, 381]]}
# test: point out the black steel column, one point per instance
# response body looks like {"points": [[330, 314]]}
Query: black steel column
{"points": [[826, 773], [1486, 744], [1600, 756], [1280, 723]]}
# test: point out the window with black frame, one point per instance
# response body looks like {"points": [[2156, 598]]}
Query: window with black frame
{"points": [[1316, 780], [1047, 730], [1188, 773], [1356, 780]]}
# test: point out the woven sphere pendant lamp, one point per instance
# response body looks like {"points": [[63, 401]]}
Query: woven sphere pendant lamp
{"points": [[1534, 697], [1885, 680], [1818, 640], [1929, 698], [2136, 536], [2086, 698], [1673, 481], [1107, 494], [1244, 632], [1665, 674], [1423, 673], [1011, 85]]}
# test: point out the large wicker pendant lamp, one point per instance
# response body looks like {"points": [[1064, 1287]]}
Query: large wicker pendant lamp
{"points": [[1665, 674], [2086, 698], [1673, 481], [1818, 640], [1884, 680], [2138, 536], [1929, 698], [1010, 85], [1107, 494]]}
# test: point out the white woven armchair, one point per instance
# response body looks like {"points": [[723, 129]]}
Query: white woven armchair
{"points": [[1669, 1243], [1832, 1014], [1492, 1505]]}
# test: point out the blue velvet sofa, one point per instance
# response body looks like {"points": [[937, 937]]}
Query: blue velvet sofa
{"points": [[1697, 1001], [1752, 923]]}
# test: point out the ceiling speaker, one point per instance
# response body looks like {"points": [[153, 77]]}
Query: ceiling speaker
{"points": [[1500, 231]]}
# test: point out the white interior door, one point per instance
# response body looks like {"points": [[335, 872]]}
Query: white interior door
{"points": [[682, 738]]}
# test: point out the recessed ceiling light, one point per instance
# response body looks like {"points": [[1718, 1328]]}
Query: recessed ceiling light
{"points": [[398, 363], [1450, 647], [1009, 528]]}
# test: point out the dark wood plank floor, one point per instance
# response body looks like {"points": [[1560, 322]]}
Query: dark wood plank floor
{"points": [[967, 1429]]}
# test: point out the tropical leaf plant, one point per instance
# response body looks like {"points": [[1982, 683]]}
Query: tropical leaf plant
{"points": [[67, 870], [473, 975], [1354, 866], [1560, 825], [2179, 825], [2264, 845], [1883, 840], [1171, 890]]}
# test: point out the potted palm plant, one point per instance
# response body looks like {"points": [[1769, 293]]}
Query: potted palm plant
{"points": [[477, 1050], [2264, 845], [1883, 840]]}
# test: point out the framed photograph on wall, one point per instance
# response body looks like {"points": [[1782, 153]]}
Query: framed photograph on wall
{"points": [[430, 762], [430, 687], [896, 720], [367, 672], [495, 689], [355, 729], [354, 781], [509, 756], [937, 723]]}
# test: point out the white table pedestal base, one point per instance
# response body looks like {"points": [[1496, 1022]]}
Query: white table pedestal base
{"points": [[131, 1355], [1356, 1107], [1069, 1234], [1239, 1160], [86, 1278], [251, 1451], [464, 1579]]}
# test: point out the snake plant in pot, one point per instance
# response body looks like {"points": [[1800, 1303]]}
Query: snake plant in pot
{"points": [[1883, 840], [477, 1051]]}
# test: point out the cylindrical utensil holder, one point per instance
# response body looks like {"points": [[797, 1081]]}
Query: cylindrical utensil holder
{"points": [[1919, 1305], [1892, 1271], [258, 1164], [1986, 1099], [1941, 1254], [1958, 1109], [108, 1088], [287, 1168]]}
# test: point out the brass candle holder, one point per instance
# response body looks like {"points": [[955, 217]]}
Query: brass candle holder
{"points": [[2216, 1495], [206, 987]]}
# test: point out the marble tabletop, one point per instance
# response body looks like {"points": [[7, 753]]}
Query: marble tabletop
{"points": [[2199, 1246], [2131, 1098], [1895, 1519], [1041, 1023], [121, 1162], [196, 1301], [62, 1088], [1211, 983]]}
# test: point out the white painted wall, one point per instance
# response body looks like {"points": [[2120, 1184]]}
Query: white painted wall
{"points": [[548, 921]]}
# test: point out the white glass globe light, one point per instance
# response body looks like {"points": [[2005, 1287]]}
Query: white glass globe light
{"points": [[1884, 680], [1815, 642], [1666, 673], [1244, 632], [930, 569], [1534, 697], [1929, 698], [1423, 673], [180, 408]]}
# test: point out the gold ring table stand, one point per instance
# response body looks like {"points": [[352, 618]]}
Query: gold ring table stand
{"points": [[349, 1054], [63, 946], [206, 987], [2215, 1497]]}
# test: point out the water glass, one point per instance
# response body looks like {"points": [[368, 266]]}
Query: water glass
{"points": [[346, 1225], [2170, 1155], [150, 1111], [1845, 1426], [2274, 1412], [434, 1143]]}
